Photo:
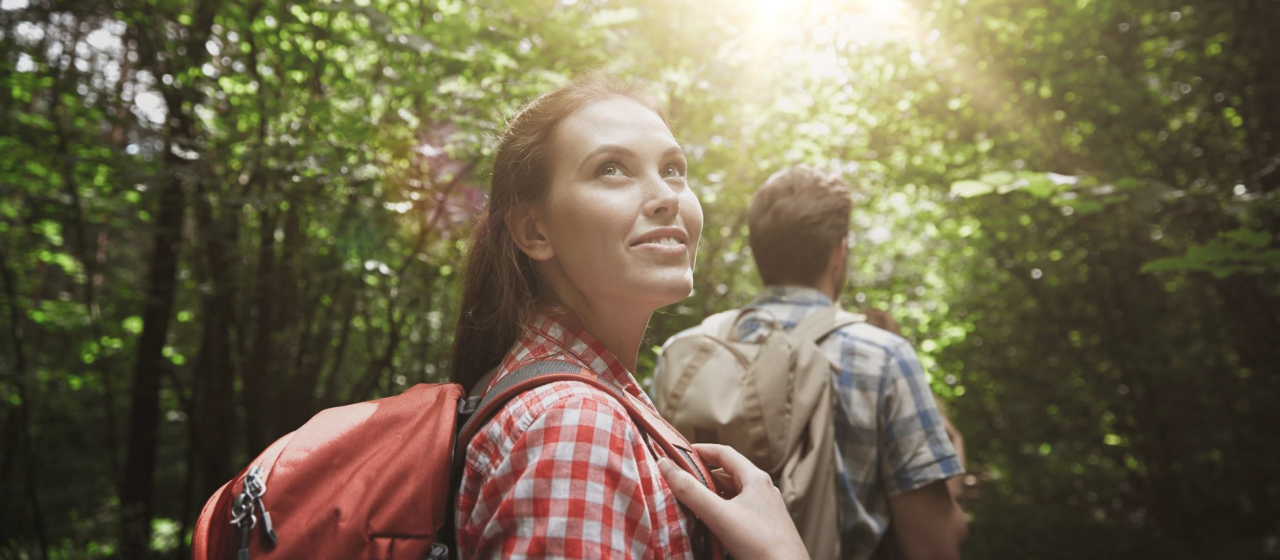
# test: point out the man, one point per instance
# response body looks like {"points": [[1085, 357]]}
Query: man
{"points": [[892, 451]]}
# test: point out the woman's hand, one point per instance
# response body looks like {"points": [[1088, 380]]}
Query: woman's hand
{"points": [[751, 520]]}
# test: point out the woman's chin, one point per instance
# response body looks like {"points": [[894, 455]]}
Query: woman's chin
{"points": [[664, 291]]}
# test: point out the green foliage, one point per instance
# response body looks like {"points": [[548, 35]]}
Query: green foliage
{"points": [[1240, 250]]}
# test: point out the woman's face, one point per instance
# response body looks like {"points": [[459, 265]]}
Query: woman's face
{"points": [[620, 218]]}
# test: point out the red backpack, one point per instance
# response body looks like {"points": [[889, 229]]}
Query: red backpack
{"points": [[375, 480]]}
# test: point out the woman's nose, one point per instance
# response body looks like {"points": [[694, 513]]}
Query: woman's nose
{"points": [[663, 201]]}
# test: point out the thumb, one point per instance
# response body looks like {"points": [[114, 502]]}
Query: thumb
{"points": [[703, 502]]}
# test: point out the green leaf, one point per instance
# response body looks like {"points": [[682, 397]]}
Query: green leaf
{"points": [[1249, 238], [998, 179], [1171, 264], [132, 324], [1039, 185], [1126, 183], [1084, 207], [1211, 251], [969, 189], [51, 230]]}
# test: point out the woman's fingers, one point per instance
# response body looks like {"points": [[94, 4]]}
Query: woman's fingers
{"points": [[724, 457], [752, 524], [690, 492], [735, 464], [725, 484]]}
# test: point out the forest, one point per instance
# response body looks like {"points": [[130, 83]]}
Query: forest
{"points": [[218, 217]]}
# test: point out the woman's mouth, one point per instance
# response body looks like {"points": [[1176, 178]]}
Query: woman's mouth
{"points": [[664, 240], [668, 241]]}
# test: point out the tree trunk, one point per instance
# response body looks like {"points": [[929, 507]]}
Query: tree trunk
{"points": [[144, 418], [282, 381], [214, 367], [24, 409], [262, 356], [328, 395], [137, 488]]}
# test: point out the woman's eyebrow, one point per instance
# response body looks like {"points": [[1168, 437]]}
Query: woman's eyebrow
{"points": [[673, 151], [607, 148]]}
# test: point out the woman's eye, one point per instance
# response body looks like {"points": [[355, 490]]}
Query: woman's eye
{"points": [[672, 171], [610, 169]]}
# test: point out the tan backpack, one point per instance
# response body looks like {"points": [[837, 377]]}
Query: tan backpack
{"points": [[771, 401]]}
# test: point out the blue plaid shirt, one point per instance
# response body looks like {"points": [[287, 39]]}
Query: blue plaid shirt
{"points": [[890, 437]]}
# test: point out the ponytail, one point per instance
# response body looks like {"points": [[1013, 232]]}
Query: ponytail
{"points": [[498, 294]]}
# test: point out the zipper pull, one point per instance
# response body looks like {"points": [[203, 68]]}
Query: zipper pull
{"points": [[242, 517], [243, 554], [255, 485]]}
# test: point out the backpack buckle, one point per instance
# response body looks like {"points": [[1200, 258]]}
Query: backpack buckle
{"points": [[467, 406], [438, 552]]}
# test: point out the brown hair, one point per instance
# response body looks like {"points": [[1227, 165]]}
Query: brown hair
{"points": [[794, 223], [500, 290]]}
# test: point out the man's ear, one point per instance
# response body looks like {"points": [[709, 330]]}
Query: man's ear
{"points": [[526, 231], [839, 258], [839, 267]]}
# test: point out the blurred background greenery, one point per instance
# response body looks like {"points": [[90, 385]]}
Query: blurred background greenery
{"points": [[219, 216]]}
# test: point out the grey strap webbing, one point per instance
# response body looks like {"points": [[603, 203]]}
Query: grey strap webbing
{"points": [[499, 391], [478, 389], [823, 322]]}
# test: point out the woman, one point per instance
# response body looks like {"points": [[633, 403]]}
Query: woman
{"points": [[590, 228]]}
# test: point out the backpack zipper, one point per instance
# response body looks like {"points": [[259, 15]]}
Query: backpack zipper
{"points": [[696, 471], [699, 535], [243, 513]]}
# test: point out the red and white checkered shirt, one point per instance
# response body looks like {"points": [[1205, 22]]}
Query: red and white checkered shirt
{"points": [[561, 470]]}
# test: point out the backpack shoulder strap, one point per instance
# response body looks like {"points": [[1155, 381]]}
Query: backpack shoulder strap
{"points": [[721, 324], [823, 322], [480, 407], [543, 372]]}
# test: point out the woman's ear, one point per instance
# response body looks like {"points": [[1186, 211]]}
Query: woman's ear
{"points": [[527, 233]]}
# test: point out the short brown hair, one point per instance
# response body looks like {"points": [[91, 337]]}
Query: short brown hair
{"points": [[795, 220]]}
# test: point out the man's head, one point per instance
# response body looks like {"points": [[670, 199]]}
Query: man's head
{"points": [[799, 226]]}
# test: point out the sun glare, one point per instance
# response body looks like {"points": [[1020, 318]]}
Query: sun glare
{"points": [[886, 11], [859, 22], [817, 37]]}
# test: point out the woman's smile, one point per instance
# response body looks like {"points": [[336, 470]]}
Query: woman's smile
{"points": [[667, 241]]}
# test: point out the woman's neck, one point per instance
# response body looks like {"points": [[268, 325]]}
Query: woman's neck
{"points": [[618, 329], [618, 325]]}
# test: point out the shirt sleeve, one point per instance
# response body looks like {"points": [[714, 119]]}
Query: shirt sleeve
{"points": [[570, 486], [914, 448]]}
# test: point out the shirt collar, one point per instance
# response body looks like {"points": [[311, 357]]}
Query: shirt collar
{"points": [[794, 295], [553, 337]]}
